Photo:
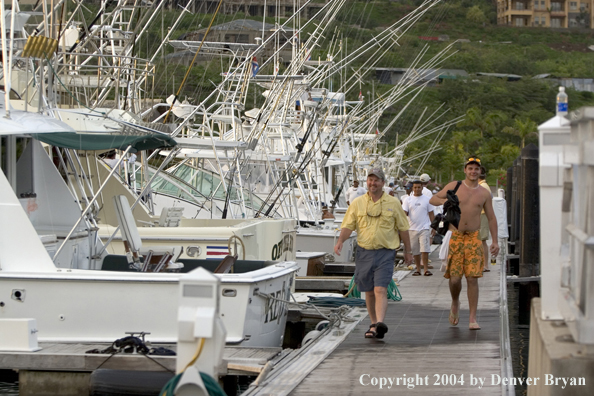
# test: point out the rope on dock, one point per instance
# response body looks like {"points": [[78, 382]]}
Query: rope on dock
{"points": [[393, 292]]}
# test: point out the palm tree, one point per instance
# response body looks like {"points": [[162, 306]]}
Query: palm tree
{"points": [[522, 128], [486, 124], [509, 152]]}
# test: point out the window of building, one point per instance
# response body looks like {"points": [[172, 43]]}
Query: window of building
{"points": [[519, 21], [573, 23], [555, 22], [536, 21], [542, 5], [520, 6], [583, 6], [573, 5], [556, 6], [243, 38]]}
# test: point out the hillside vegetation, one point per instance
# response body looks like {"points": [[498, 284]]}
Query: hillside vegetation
{"points": [[500, 115]]}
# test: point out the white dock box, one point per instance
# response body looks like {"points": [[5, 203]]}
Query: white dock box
{"points": [[18, 335]]}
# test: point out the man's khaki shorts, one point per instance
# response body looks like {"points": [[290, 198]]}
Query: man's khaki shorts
{"points": [[420, 241]]}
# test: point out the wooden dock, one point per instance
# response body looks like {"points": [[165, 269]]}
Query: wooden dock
{"points": [[421, 354], [421, 346]]}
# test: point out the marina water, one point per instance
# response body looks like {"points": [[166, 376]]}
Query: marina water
{"points": [[8, 383], [519, 333]]}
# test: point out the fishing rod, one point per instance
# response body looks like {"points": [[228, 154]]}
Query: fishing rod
{"points": [[306, 160], [398, 28], [334, 142], [392, 97], [86, 31], [291, 168], [337, 196], [305, 138], [228, 195]]}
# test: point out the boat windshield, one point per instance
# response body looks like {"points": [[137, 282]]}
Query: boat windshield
{"points": [[209, 184], [198, 185]]}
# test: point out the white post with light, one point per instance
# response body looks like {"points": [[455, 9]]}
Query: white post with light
{"points": [[201, 333], [552, 135]]}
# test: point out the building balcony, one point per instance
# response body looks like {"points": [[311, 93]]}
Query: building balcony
{"points": [[558, 14], [518, 13]]}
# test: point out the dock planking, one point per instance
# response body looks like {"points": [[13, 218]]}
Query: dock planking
{"points": [[420, 343]]}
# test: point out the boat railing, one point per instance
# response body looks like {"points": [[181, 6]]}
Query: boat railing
{"points": [[101, 63], [504, 337]]}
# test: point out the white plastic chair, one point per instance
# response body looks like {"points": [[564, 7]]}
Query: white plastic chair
{"points": [[171, 216], [156, 258]]}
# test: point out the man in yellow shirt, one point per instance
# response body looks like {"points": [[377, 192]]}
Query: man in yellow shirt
{"points": [[380, 223]]}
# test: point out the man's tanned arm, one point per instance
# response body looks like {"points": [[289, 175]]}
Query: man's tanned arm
{"points": [[345, 233], [441, 196], [405, 238], [492, 225]]}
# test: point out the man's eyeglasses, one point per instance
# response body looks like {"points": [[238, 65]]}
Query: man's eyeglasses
{"points": [[474, 159], [376, 215]]}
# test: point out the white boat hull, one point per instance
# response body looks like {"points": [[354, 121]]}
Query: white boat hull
{"points": [[323, 240], [101, 306]]}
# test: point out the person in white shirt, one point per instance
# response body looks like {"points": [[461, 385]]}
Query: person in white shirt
{"points": [[354, 192], [420, 213], [408, 189], [425, 178], [111, 160]]}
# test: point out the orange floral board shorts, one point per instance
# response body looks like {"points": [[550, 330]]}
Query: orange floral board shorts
{"points": [[465, 256]]}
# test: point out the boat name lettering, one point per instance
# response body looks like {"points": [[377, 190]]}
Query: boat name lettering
{"points": [[275, 306], [285, 244]]}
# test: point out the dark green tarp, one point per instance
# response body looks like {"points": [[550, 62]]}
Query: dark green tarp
{"points": [[99, 141]]}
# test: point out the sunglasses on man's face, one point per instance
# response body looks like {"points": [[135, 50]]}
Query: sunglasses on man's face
{"points": [[377, 215]]}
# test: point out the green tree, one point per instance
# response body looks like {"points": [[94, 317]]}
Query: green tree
{"points": [[522, 128], [509, 153], [466, 143], [486, 124], [476, 15]]}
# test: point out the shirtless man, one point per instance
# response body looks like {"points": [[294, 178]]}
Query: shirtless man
{"points": [[465, 257]]}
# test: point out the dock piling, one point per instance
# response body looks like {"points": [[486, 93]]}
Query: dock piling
{"points": [[529, 234]]}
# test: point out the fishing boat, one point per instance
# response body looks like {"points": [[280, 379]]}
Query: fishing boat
{"points": [[90, 305], [80, 299]]}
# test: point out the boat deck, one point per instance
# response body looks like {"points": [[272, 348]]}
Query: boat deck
{"points": [[72, 357], [420, 344]]}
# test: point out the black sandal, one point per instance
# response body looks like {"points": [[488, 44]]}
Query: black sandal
{"points": [[381, 329], [370, 333]]}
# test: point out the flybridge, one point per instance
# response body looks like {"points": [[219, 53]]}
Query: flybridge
{"points": [[212, 46]]}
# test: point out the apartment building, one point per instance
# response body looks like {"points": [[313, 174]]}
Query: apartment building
{"points": [[546, 13]]}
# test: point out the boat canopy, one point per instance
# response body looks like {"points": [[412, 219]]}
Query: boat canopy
{"points": [[104, 141], [22, 122]]}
